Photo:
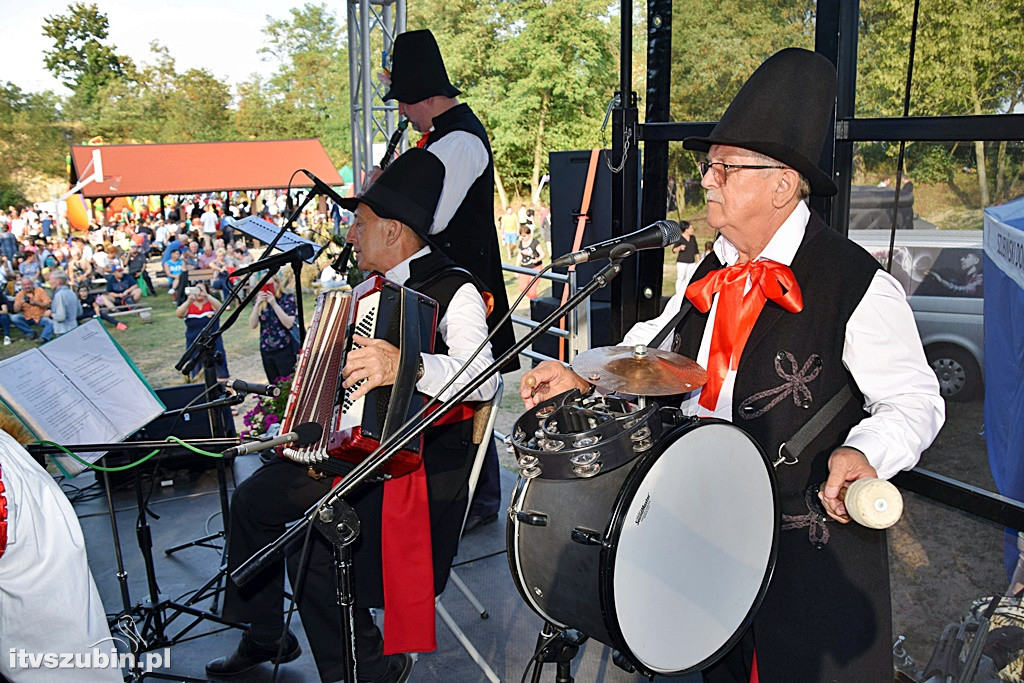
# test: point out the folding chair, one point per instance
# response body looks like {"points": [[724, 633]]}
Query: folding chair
{"points": [[474, 477]]}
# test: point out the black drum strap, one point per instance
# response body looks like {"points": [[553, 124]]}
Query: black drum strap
{"points": [[672, 324], [791, 450]]}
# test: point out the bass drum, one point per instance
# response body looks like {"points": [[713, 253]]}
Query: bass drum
{"points": [[665, 560]]}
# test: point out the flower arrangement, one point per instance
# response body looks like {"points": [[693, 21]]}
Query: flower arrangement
{"points": [[268, 410]]}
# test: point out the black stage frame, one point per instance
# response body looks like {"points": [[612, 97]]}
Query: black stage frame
{"points": [[636, 294]]}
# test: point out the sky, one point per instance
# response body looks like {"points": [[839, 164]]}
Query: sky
{"points": [[222, 36]]}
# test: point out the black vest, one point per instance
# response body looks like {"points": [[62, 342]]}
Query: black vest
{"points": [[796, 355], [437, 276], [469, 238], [790, 367]]}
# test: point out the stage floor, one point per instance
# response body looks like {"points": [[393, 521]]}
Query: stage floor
{"points": [[190, 508]]}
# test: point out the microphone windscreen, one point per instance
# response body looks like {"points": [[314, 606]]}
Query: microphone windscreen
{"points": [[673, 233], [307, 433]]}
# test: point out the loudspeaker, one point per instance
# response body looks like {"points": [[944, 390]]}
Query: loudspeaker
{"points": [[185, 427], [600, 325], [568, 180]]}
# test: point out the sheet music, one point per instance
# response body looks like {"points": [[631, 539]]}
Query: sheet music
{"points": [[78, 388]]}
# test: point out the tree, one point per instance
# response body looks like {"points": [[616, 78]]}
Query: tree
{"points": [[714, 51], [536, 85], [32, 139], [968, 61], [80, 58], [308, 94]]}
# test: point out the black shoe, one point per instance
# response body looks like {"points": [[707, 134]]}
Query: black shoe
{"points": [[31, 335], [474, 522], [399, 668], [250, 654]]}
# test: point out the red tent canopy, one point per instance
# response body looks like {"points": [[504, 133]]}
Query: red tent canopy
{"points": [[193, 167]]}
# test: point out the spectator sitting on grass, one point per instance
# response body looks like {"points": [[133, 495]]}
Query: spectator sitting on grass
{"points": [[30, 267], [91, 309], [122, 289], [137, 267], [65, 307], [173, 267], [32, 309]]}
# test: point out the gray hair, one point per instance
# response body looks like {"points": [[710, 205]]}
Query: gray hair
{"points": [[59, 274], [803, 187]]}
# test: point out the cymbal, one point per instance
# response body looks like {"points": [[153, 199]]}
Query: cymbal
{"points": [[639, 370]]}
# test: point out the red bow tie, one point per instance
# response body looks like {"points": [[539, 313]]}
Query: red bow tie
{"points": [[737, 312]]}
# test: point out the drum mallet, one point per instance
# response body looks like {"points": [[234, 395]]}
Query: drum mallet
{"points": [[874, 503]]}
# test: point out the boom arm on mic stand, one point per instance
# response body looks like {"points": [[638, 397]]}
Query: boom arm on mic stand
{"points": [[248, 569]]}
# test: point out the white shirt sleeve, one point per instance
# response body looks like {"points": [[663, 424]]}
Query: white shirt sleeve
{"points": [[463, 328], [645, 331], [465, 158], [901, 393]]}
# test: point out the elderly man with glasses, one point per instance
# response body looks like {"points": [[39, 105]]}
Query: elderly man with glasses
{"points": [[786, 316]]}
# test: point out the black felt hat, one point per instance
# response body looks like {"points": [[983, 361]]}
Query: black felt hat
{"points": [[407, 191], [784, 111], [417, 70]]}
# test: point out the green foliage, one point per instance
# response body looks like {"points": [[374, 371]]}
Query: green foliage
{"points": [[538, 73], [308, 94], [80, 58], [715, 48]]}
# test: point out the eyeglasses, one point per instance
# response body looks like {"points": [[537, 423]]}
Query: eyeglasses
{"points": [[721, 173]]}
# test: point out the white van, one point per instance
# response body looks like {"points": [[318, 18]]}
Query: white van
{"points": [[941, 271]]}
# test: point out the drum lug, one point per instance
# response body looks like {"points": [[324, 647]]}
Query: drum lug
{"points": [[531, 518], [586, 536]]}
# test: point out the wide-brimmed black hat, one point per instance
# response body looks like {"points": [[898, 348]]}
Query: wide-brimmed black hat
{"points": [[784, 111], [407, 191], [417, 70]]}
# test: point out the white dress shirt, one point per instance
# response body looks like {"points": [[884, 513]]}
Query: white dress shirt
{"points": [[48, 598], [882, 351], [465, 158], [463, 328]]}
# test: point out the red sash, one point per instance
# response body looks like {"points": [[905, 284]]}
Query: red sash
{"points": [[407, 560], [3, 516]]}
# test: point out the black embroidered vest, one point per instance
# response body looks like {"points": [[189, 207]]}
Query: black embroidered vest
{"points": [[792, 362], [470, 239]]}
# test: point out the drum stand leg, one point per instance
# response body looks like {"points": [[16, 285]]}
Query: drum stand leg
{"points": [[559, 647], [340, 525]]}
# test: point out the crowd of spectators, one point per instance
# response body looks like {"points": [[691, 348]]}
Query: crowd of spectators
{"points": [[52, 279]]}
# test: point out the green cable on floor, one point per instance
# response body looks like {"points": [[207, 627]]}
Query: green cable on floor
{"points": [[138, 462]]}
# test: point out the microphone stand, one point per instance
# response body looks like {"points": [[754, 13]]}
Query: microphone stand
{"points": [[338, 521], [152, 634], [204, 349]]}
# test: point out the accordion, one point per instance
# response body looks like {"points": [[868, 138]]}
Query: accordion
{"points": [[379, 309]]}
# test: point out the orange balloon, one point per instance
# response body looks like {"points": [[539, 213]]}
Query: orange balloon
{"points": [[78, 215]]}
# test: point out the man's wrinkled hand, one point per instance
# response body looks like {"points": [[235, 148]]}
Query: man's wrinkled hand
{"points": [[376, 362], [845, 466], [548, 379]]}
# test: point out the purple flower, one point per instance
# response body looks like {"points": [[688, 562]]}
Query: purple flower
{"points": [[272, 419]]}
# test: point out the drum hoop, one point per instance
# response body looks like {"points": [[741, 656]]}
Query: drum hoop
{"points": [[606, 563]]}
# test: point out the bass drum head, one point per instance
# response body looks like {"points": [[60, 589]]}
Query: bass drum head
{"points": [[697, 539]]}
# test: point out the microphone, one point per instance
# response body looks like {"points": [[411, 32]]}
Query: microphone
{"points": [[658, 235], [305, 434], [322, 187], [241, 386], [340, 264], [302, 252]]}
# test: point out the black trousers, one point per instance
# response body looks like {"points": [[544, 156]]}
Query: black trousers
{"points": [[277, 364], [279, 492]]}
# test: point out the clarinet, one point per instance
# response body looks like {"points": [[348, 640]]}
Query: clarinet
{"points": [[396, 137]]}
